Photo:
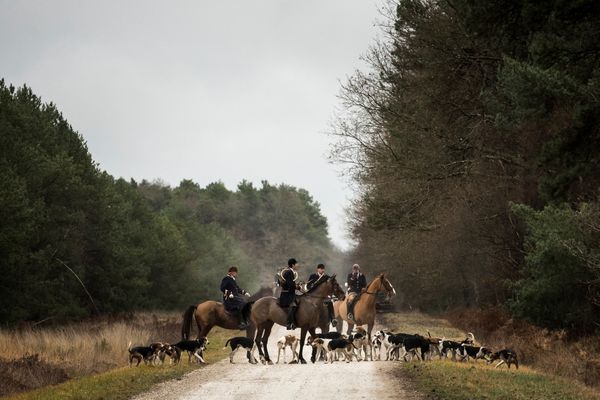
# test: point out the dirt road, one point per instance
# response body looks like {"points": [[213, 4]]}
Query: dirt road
{"points": [[222, 380]]}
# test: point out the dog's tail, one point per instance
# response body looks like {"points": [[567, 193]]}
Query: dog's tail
{"points": [[186, 327], [129, 346], [469, 334], [226, 344], [429, 334]]}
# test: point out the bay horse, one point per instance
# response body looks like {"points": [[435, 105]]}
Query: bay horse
{"points": [[266, 312], [210, 313], [364, 308]]}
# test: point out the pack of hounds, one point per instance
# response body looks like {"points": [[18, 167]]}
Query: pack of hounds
{"points": [[333, 346]]}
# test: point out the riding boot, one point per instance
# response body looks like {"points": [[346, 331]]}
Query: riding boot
{"points": [[332, 320], [351, 309], [291, 320], [243, 323]]}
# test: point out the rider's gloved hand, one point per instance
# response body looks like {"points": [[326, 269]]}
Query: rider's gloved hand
{"points": [[231, 296], [247, 294]]}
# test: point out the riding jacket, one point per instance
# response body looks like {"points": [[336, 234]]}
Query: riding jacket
{"points": [[288, 288], [356, 282], [230, 287]]}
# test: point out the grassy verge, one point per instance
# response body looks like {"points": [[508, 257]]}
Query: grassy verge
{"points": [[124, 382], [454, 381]]}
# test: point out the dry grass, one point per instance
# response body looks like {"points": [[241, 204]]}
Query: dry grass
{"points": [[549, 351], [77, 350], [450, 380], [477, 380], [123, 383]]}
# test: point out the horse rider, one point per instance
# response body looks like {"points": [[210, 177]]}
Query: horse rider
{"points": [[287, 298], [356, 283], [233, 296], [312, 279]]}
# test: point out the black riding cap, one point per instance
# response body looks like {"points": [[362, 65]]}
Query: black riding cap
{"points": [[321, 266], [292, 261]]}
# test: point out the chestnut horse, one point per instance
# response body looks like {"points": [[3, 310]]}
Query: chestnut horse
{"points": [[211, 313], [364, 308], [266, 312]]}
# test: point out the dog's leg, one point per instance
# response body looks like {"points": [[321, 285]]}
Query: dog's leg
{"points": [[318, 355], [233, 351], [198, 355], [294, 347], [279, 353], [499, 364]]}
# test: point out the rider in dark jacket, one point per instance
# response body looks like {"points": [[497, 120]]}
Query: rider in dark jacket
{"points": [[287, 298], [233, 296], [356, 283], [312, 279]]}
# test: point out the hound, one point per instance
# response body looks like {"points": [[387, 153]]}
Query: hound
{"points": [[141, 353], [506, 356], [241, 342], [362, 344], [194, 348], [344, 346], [453, 346], [376, 347], [290, 341], [465, 352], [318, 345]]}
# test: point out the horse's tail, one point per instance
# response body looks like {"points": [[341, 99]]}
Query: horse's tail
{"points": [[186, 327], [226, 344]]}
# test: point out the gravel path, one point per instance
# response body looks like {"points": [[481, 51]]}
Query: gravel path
{"points": [[222, 380]]}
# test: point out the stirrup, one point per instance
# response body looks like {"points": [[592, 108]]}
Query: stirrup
{"points": [[350, 316], [334, 322], [290, 327], [242, 325]]}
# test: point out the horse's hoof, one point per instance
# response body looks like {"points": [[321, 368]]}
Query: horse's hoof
{"points": [[270, 362], [293, 362], [303, 361]]}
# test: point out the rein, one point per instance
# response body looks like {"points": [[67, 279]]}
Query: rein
{"points": [[382, 286]]}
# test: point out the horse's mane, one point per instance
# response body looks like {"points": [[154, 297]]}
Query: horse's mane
{"points": [[379, 276]]}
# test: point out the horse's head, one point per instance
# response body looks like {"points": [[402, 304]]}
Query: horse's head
{"points": [[387, 286], [336, 289]]}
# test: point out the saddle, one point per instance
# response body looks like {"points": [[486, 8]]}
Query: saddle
{"points": [[295, 302]]}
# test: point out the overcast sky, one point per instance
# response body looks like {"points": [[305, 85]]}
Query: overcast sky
{"points": [[201, 90]]}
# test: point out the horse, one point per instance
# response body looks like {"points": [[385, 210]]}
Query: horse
{"points": [[211, 313], [266, 312], [364, 308]]}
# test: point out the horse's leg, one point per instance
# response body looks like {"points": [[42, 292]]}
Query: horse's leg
{"points": [[203, 332], [257, 340], [250, 330], [302, 337], [350, 327], [339, 326], [265, 340]]}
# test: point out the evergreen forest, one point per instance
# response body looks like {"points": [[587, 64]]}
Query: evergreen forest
{"points": [[77, 242], [474, 141]]}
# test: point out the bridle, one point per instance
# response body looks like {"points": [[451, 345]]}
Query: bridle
{"points": [[334, 285], [389, 292]]}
